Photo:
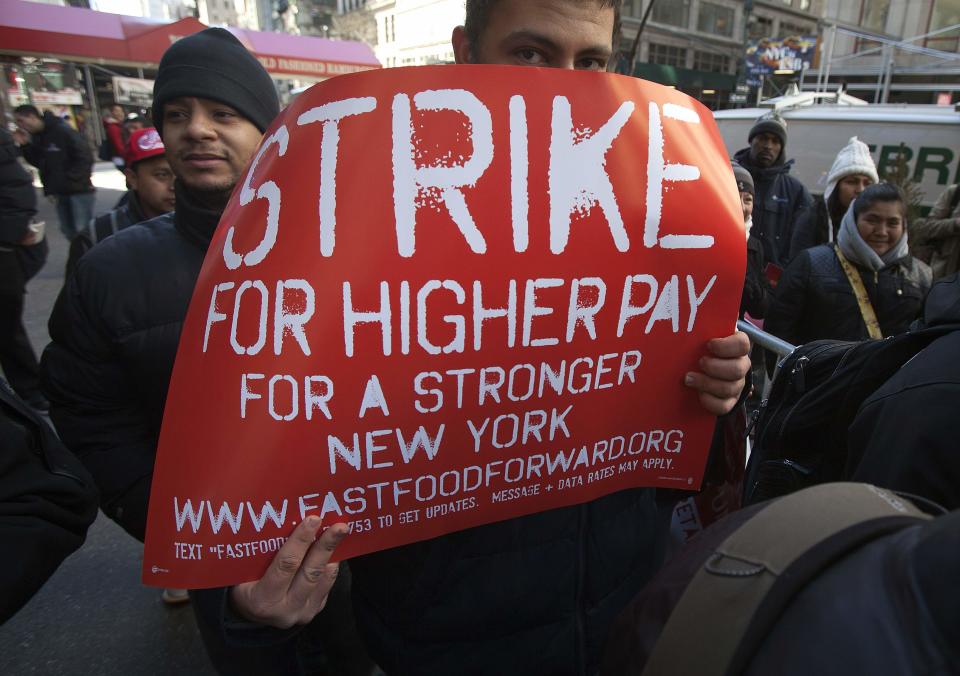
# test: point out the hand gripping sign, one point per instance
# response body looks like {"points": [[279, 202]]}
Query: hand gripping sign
{"points": [[443, 297]]}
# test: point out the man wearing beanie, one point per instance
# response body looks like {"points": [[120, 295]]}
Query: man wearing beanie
{"points": [[780, 199], [116, 324], [853, 171]]}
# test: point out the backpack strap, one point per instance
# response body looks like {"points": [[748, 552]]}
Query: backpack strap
{"points": [[727, 601], [863, 300]]}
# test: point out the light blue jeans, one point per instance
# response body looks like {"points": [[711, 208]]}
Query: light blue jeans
{"points": [[75, 212]]}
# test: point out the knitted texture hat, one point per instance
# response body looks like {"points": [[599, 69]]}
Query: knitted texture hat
{"points": [[744, 179], [213, 64], [853, 158], [770, 123]]}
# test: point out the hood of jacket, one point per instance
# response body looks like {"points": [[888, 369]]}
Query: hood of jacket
{"points": [[943, 302]]}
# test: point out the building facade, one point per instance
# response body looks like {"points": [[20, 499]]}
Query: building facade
{"points": [[698, 46], [237, 13], [888, 50]]}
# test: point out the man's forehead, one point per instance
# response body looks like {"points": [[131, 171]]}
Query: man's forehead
{"points": [[546, 17], [197, 100]]}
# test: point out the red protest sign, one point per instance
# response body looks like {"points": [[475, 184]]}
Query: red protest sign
{"points": [[443, 297]]}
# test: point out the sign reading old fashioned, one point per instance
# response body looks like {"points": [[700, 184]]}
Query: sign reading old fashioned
{"points": [[442, 297]]}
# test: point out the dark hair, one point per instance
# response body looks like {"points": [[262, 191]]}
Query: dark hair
{"points": [[879, 192], [478, 15], [27, 109]]}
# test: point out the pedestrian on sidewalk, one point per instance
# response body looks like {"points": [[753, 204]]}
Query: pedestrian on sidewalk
{"points": [[150, 195], [23, 251], [65, 163]]}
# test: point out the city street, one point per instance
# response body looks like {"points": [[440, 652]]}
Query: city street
{"points": [[94, 616]]}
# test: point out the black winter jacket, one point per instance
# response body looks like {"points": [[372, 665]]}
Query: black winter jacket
{"points": [[18, 206], [906, 436], [63, 157], [757, 291], [814, 299], [110, 223], [780, 201], [47, 502], [114, 330], [890, 608]]}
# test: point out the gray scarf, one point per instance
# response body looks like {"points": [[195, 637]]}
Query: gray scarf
{"points": [[859, 252]]}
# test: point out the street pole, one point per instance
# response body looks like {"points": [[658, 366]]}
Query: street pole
{"points": [[888, 80], [635, 47], [833, 44], [96, 123]]}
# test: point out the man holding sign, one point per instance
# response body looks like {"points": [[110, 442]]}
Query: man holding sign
{"points": [[533, 594]]}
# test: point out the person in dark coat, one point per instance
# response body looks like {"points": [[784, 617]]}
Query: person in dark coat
{"points": [[530, 595], [780, 199], [905, 436], [23, 251], [65, 163], [47, 502], [853, 171], [150, 195], [116, 324], [815, 299]]}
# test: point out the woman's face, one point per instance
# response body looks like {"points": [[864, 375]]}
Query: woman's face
{"points": [[850, 186], [881, 225], [746, 203]]}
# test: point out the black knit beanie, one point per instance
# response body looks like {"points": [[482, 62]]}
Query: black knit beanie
{"points": [[213, 64], [770, 123], [743, 177]]}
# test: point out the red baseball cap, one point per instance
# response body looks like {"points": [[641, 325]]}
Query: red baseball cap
{"points": [[144, 144]]}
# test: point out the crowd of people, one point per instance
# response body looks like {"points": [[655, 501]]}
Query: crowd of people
{"points": [[847, 266]]}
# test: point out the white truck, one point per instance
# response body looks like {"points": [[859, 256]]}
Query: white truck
{"points": [[819, 125]]}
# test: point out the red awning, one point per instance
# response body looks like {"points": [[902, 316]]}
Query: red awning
{"points": [[73, 34]]}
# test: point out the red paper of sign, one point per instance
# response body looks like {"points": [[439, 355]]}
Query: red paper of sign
{"points": [[443, 297]]}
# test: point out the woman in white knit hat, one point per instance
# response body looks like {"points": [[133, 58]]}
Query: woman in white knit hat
{"points": [[852, 172]]}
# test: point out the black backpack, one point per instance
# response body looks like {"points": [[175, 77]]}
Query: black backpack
{"points": [[801, 429]]}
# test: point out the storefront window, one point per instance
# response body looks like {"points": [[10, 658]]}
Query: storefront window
{"points": [[667, 55]]}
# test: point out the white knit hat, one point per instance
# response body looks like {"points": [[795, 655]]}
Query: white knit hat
{"points": [[853, 158]]}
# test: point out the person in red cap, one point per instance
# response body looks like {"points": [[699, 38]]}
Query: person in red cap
{"points": [[151, 193]]}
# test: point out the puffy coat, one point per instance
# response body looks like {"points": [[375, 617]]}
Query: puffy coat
{"points": [[780, 201], [18, 205], [936, 239], [757, 291], [114, 330], [814, 299], [905, 435], [62, 156], [110, 223], [47, 502]]}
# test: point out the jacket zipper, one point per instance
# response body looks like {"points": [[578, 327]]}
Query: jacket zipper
{"points": [[581, 574]]}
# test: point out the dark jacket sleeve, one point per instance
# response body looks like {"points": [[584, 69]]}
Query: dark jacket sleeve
{"points": [[47, 502], [786, 313], [803, 210], [32, 153], [93, 405], [757, 291]]}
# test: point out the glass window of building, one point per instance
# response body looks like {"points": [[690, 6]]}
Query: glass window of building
{"points": [[672, 12], [760, 27], [710, 62], [715, 19], [667, 55], [945, 13], [788, 29], [873, 14]]}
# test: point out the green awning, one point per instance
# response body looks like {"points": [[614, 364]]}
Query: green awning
{"points": [[684, 78]]}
